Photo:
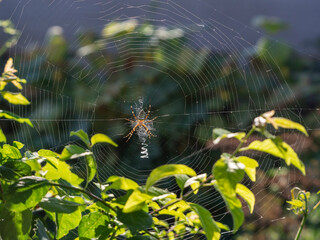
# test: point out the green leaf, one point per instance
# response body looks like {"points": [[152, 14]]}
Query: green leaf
{"points": [[82, 135], [181, 179], [15, 225], [194, 182], [219, 134], [167, 171], [15, 117], [50, 156], [136, 201], [286, 123], [41, 230], [92, 225], [121, 183], [247, 195], [227, 175], [62, 170], [15, 98], [135, 221], [17, 144], [250, 166], [67, 222], [73, 151], [2, 136], [26, 193], [101, 138], [14, 169], [278, 148], [210, 227], [58, 205], [223, 226], [11, 152], [91, 168]]}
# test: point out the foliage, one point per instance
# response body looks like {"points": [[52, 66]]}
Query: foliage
{"points": [[39, 189], [299, 204]]}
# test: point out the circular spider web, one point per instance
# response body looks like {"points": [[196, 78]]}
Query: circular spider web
{"points": [[196, 73]]}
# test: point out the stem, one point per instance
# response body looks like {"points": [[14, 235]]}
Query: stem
{"points": [[305, 215], [243, 141], [83, 191]]}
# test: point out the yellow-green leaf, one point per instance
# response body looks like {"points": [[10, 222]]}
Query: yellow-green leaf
{"points": [[135, 202], [168, 170], [121, 183], [82, 135], [15, 98], [278, 148], [286, 123], [250, 166], [101, 138], [247, 195], [15, 117], [210, 227], [2, 136]]}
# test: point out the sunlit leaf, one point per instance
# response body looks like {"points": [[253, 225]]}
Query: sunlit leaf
{"points": [[167, 171], [181, 179], [210, 227], [91, 167], [226, 182], [223, 226], [17, 144], [247, 195], [15, 117], [194, 182], [136, 201], [121, 183], [82, 135], [101, 138], [92, 225], [277, 148], [26, 193], [52, 157], [250, 166], [11, 152], [286, 123], [15, 225], [15, 98], [61, 170], [67, 222], [2, 136]]}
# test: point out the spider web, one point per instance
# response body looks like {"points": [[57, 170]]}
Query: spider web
{"points": [[196, 73]]}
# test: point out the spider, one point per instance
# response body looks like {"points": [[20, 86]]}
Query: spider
{"points": [[140, 123]]}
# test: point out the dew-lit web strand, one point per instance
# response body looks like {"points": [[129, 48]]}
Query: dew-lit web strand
{"points": [[201, 160]]}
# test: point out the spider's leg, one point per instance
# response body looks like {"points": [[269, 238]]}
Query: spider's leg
{"points": [[147, 121], [130, 120], [131, 133], [133, 113], [148, 131], [148, 113]]}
